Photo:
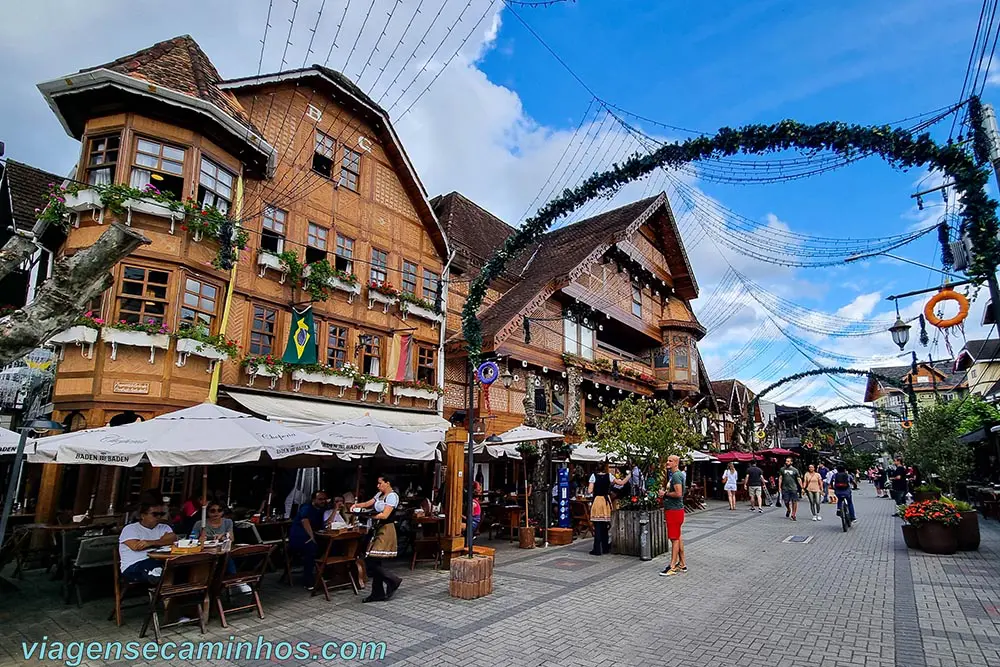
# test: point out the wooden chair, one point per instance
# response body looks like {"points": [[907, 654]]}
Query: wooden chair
{"points": [[580, 518], [333, 563], [428, 540], [251, 562], [122, 586], [990, 504], [92, 555], [200, 569]]}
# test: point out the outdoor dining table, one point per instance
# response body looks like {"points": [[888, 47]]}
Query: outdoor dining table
{"points": [[197, 571]]}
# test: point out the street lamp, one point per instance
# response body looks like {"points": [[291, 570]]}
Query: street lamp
{"points": [[900, 331], [38, 425]]}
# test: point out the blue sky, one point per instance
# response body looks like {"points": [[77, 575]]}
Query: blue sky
{"points": [[496, 120]]}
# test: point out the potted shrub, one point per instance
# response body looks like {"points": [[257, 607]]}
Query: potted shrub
{"points": [[935, 522], [926, 492], [909, 530], [967, 531]]}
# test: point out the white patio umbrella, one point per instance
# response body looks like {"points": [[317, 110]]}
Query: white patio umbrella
{"points": [[364, 436], [700, 457], [8, 442], [587, 452]]}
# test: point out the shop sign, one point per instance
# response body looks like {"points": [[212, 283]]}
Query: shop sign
{"points": [[131, 388]]}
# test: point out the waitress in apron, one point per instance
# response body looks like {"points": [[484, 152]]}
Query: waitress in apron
{"points": [[383, 541], [600, 509]]}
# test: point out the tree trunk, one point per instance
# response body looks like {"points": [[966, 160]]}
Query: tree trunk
{"points": [[18, 249], [75, 281]]}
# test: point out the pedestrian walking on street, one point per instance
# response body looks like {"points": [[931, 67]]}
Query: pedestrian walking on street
{"points": [[823, 472], [730, 478], [814, 489], [898, 476], [755, 487], [791, 488], [673, 510], [599, 489], [383, 541]]}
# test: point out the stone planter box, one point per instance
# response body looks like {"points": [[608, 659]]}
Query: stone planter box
{"points": [[374, 388], [266, 260], [151, 208], [189, 346], [118, 337], [264, 373], [626, 533], [298, 377], [967, 532], [384, 299], [81, 335], [412, 392], [936, 538], [421, 312], [910, 536]]}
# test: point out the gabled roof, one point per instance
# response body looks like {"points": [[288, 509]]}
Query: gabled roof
{"points": [[978, 350], [28, 187], [723, 390], [172, 80], [377, 117], [949, 378], [475, 233], [181, 65]]}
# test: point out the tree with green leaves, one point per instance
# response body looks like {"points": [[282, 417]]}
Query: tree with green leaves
{"points": [[644, 433], [934, 445]]}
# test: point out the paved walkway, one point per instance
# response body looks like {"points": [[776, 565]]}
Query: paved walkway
{"points": [[751, 598]]}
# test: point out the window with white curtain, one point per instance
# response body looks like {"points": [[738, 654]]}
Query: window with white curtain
{"points": [[578, 339]]}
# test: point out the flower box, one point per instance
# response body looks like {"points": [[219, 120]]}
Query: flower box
{"points": [[267, 260], [153, 208], [189, 346], [81, 335], [342, 381], [336, 283], [377, 297], [134, 339], [421, 312], [413, 392], [263, 372], [373, 387], [84, 200]]}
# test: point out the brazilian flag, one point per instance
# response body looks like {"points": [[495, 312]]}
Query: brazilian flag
{"points": [[302, 339]]}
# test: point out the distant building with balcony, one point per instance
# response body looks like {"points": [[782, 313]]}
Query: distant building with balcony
{"points": [[937, 381], [980, 360], [592, 313]]}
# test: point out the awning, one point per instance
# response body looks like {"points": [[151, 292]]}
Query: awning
{"points": [[736, 457], [700, 457], [304, 411]]}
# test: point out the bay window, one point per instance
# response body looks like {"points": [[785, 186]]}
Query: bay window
{"points": [[142, 297], [215, 186], [102, 159], [160, 165], [578, 339]]}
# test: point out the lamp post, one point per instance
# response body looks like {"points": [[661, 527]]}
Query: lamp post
{"points": [[42, 425]]}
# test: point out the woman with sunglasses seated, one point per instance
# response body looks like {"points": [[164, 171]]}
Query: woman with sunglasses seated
{"points": [[138, 539]]}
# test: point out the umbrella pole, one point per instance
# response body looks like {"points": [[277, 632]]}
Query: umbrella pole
{"points": [[114, 489], [524, 459], [229, 489], [204, 495]]}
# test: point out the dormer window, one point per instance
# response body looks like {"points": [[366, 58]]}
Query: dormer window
{"points": [[160, 165]]}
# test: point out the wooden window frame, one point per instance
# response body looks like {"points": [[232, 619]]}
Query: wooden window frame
{"points": [[110, 164], [204, 190], [636, 300], [415, 274], [183, 305], [158, 169], [261, 333], [144, 297], [430, 285], [347, 247], [324, 154], [366, 346], [423, 352], [346, 349], [380, 267], [314, 252], [268, 214], [350, 166]]}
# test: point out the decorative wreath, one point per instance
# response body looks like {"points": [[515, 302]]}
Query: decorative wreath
{"points": [[487, 373], [947, 294]]}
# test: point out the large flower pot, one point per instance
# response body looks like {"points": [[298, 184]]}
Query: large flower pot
{"points": [[526, 537], [936, 538], [967, 532], [910, 536]]}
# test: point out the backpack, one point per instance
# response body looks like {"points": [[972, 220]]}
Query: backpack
{"points": [[841, 481]]}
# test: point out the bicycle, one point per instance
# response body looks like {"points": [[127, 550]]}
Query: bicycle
{"points": [[844, 511]]}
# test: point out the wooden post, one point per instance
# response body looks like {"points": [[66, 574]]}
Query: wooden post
{"points": [[48, 493], [453, 540]]}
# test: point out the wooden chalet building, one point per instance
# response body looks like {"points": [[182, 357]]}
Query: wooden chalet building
{"points": [[733, 400], [593, 312], [309, 165]]}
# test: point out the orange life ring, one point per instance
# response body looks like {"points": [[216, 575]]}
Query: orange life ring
{"points": [[947, 294]]}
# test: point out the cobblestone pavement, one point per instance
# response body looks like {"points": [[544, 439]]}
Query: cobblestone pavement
{"points": [[750, 598]]}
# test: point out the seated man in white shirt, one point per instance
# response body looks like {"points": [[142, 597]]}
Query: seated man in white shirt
{"points": [[137, 539]]}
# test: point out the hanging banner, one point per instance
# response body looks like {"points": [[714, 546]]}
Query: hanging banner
{"points": [[401, 358], [564, 511], [301, 346]]}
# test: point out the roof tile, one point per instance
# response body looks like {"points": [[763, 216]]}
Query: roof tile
{"points": [[29, 189]]}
